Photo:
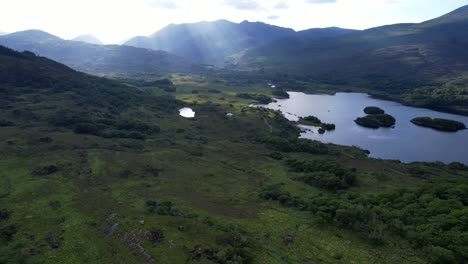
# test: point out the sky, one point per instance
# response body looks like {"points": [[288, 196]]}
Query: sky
{"points": [[114, 21]]}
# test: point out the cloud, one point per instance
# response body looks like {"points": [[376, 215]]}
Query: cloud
{"points": [[243, 4], [273, 17], [281, 5], [321, 1], [164, 4]]}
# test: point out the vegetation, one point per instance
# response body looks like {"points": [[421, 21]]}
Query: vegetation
{"points": [[439, 124], [260, 98], [323, 173], [211, 189], [280, 93], [376, 121], [373, 110], [310, 120], [314, 121], [413, 215]]}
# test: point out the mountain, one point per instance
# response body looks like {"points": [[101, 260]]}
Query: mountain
{"points": [[3, 33], [424, 52], [211, 42], [88, 39], [101, 59], [315, 33]]}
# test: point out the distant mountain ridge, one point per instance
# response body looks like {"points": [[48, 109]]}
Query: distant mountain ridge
{"points": [[101, 59], [408, 52], [216, 42], [88, 39]]}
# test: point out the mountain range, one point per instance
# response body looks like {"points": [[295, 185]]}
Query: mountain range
{"points": [[217, 42], [99, 59], [423, 53], [392, 57]]}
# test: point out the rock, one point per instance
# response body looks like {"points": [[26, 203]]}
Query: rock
{"points": [[52, 241], [142, 222], [181, 228], [55, 204], [155, 235], [288, 239]]}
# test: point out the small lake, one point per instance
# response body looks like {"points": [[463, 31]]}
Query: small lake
{"points": [[406, 142], [187, 112]]}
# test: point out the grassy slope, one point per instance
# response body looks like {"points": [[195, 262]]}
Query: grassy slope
{"points": [[208, 166]]}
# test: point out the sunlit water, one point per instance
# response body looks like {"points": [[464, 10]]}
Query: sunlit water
{"points": [[406, 142], [187, 112]]}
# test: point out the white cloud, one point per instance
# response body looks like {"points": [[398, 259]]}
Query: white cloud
{"points": [[281, 5], [321, 1], [243, 4], [165, 4]]}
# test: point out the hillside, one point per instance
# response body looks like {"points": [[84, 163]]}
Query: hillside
{"points": [[404, 51], [90, 39], [100, 59], [94, 171], [216, 42]]}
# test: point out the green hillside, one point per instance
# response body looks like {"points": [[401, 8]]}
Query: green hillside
{"points": [[95, 171]]}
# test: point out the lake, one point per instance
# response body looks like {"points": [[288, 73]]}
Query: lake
{"points": [[406, 141]]}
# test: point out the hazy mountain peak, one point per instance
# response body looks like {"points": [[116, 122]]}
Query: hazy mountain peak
{"points": [[211, 42], [88, 38], [33, 35]]}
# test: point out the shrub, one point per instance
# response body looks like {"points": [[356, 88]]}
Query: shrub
{"points": [[86, 128]]}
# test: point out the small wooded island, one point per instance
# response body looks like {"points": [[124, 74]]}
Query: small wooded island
{"points": [[440, 124], [375, 118], [373, 110], [315, 121]]}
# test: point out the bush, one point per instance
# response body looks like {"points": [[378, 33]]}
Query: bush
{"points": [[294, 144], [280, 93], [86, 128], [261, 98], [311, 119], [440, 255], [162, 208], [6, 123]]}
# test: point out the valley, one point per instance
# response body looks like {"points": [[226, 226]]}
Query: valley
{"points": [[201, 144]]}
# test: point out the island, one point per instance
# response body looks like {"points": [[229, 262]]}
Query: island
{"points": [[375, 118], [440, 124], [315, 121], [373, 110]]}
